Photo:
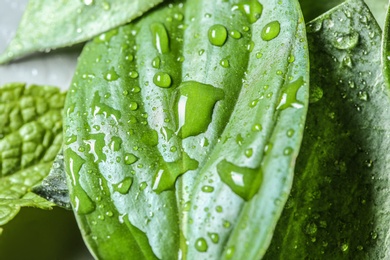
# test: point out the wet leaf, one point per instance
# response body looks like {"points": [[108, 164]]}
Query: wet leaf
{"points": [[48, 25], [182, 130], [339, 204]]}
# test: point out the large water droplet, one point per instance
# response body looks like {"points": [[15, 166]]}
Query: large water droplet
{"points": [[243, 181], [130, 158], [115, 143], [193, 117], [252, 9], [111, 75], [168, 172], [95, 144], [201, 245], [270, 31], [217, 35], [160, 37], [289, 95], [99, 108], [81, 202], [162, 80]]}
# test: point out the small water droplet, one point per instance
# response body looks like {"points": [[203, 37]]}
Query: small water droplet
{"points": [[133, 74], [230, 252], [249, 152], [344, 247], [224, 63], [111, 75], [214, 237], [143, 185], [270, 31], [207, 189], [156, 63], [133, 105], [124, 186], [235, 34], [217, 35], [289, 95], [288, 151]]}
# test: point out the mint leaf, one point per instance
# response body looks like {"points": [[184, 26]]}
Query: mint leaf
{"points": [[339, 206], [31, 135], [181, 125], [50, 25]]}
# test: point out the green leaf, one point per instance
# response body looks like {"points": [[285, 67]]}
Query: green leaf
{"points": [[182, 129], [30, 137], [339, 206], [54, 188], [312, 9], [48, 24]]}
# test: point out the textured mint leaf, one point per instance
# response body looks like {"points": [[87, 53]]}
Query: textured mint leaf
{"points": [[31, 135], [48, 24], [182, 130], [339, 206]]}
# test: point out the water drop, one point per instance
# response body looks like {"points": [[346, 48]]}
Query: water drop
{"points": [[162, 80], [243, 181], [289, 95], [290, 132], [235, 34], [287, 151], [124, 186], [207, 189], [249, 152], [88, 2], [133, 105], [193, 117], [363, 95], [346, 41], [156, 63], [214, 237], [224, 63], [344, 247], [201, 245], [115, 143], [160, 37], [257, 127], [251, 8], [133, 74], [217, 35], [130, 158], [111, 75], [230, 252], [143, 185], [270, 31]]}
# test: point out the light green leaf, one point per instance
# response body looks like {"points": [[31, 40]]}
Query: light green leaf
{"points": [[183, 128], [340, 206], [48, 24], [31, 135]]}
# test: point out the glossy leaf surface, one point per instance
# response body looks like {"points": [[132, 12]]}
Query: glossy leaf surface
{"points": [[31, 135], [339, 204], [182, 130], [48, 24]]}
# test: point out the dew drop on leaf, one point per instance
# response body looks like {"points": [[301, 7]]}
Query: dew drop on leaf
{"points": [[130, 158], [251, 8], [217, 35], [162, 80], [124, 186], [214, 237], [270, 31], [289, 95], [346, 41], [160, 37], [201, 245], [193, 117], [243, 181]]}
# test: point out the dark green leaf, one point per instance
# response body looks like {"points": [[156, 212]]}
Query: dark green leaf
{"points": [[200, 109], [312, 9], [50, 24], [340, 206], [54, 188], [30, 137]]}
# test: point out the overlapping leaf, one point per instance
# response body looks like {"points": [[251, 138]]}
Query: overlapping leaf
{"points": [[182, 130], [339, 205], [50, 24], [31, 135]]}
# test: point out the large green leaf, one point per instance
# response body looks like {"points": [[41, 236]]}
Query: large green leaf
{"points": [[30, 137], [48, 24], [340, 206], [182, 130]]}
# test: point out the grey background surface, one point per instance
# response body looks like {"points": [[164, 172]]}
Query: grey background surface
{"points": [[55, 68]]}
